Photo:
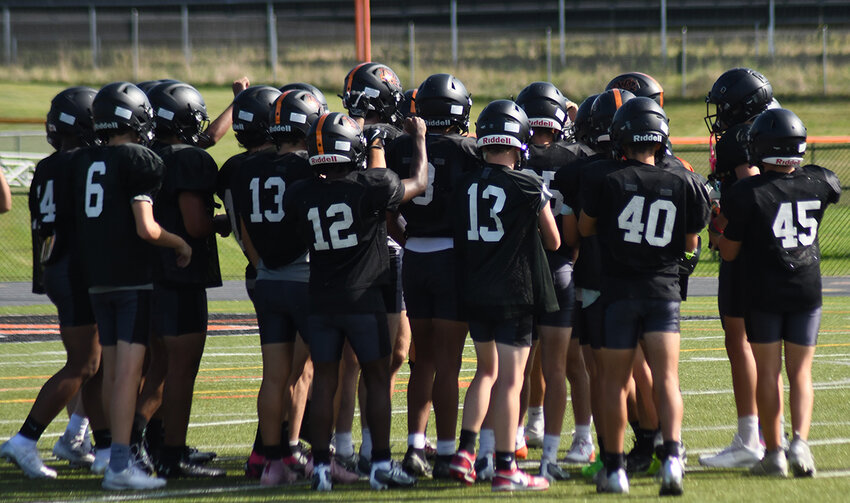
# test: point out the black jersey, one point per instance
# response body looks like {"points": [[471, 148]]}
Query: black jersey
{"points": [[545, 161], [107, 180], [187, 169], [643, 213], [567, 180], [51, 213], [344, 223], [258, 190], [776, 218], [503, 268], [449, 156]]}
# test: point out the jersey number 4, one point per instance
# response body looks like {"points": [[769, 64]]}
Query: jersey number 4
{"points": [[785, 229], [337, 228], [494, 197], [658, 227]]}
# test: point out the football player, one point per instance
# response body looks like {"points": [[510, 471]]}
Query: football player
{"points": [[428, 271], [341, 215], [739, 95], [372, 96], [113, 188], [281, 298], [183, 205], [773, 226], [57, 271], [502, 223], [546, 108], [647, 217]]}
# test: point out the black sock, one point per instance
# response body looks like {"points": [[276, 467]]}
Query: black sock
{"points": [[613, 461], [635, 426], [102, 438], [138, 431], [381, 455], [672, 448], [304, 433], [504, 460], [645, 440], [258, 443], [170, 455], [32, 429], [321, 456], [273, 452], [286, 451], [446, 458], [466, 442], [601, 444]]}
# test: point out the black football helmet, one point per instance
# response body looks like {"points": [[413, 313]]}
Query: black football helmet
{"points": [[335, 139], [442, 100], [639, 120], [147, 85], [503, 122], [546, 107], [70, 115], [408, 103], [372, 87], [180, 111], [777, 136], [602, 114], [122, 106], [292, 113], [738, 95], [639, 84], [581, 124], [303, 86], [251, 110]]}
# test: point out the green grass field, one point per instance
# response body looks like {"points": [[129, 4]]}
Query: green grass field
{"points": [[224, 419]]}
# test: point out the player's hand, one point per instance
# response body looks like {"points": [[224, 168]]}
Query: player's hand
{"points": [[357, 103], [572, 110], [221, 224], [415, 126], [377, 136], [184, 254], [240, 85]]}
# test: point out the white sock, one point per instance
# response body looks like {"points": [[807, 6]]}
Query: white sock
{"points": [[550, 447], [535, 414], [520, 437], [486, 442], [748, 430], [77, 426], [343, 444], [416, 440], [23, 441], [366, 444], [445, 447], [583, 431]]}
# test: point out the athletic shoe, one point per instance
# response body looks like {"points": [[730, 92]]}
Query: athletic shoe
{"points": [[415, 463], [277, 473], [442, 467], [131, 477], [590, 471], [615, 483], [27, 460], [101, 460], [389, 474], [430, 451], [341, 475], [485, 466], [671, 477], [322, 478], [736, 455], [522, 452], [349, 462], [800, 458], [462, 467], [364, 466], [193, 455], [552, 472], [183, 468], [534, 433], [638, 462], [655, 465], [581, 451], [774, 464], [518, 480], [139, 457], [255, 465], [73, 450]]}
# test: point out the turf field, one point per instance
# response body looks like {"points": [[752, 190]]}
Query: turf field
{"points": [[224, 419]]}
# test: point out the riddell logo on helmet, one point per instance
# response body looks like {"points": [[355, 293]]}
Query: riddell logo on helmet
{"points": [[280, 128], [495, 140], [438, 122], [328, 159], [105, 125], [647, 138]]}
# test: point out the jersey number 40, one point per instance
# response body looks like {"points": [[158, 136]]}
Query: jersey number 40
{"points": [[657, 229]]}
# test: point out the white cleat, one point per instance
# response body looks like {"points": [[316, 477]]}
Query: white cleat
{"points": [[736, 455], [27, 459], [130, 478], [73, 450]]}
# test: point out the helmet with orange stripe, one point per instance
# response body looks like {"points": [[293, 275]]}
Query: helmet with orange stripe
{"points": [[408, 103], [373, 87], [602, 113], [292, 114], [335, 140], [303, 86], [639, 84]]}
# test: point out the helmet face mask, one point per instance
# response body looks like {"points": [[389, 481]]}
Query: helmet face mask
{"points": [[442, 101], [546, 107], [738, 95], [70, 116], [120, 107], [336, 141], [373, 87], [777, 137]]}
